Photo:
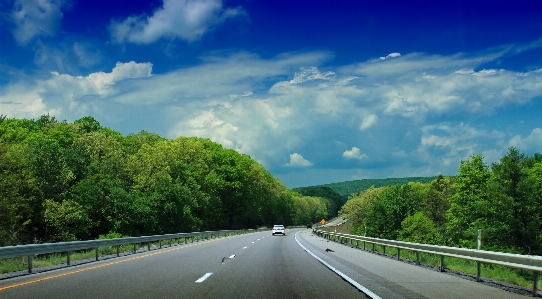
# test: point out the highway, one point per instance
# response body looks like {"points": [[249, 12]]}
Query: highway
{"points": [[256, 265]]}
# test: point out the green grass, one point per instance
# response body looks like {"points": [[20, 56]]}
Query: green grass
{"points": [[43, 260], [512, 276]]}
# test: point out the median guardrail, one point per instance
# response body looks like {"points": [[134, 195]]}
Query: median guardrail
{"points": [[525, 262], [34, 249]]}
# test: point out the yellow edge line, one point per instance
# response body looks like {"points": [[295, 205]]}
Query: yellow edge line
{"points": [[102, 265]]}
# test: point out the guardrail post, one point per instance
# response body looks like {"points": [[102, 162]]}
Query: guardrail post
{"points": [[384, 246], [118, 252], [364, 243], [398, 253], [477, 271], [417, 257], [160, 244], [535, 283], [373, 247], [149, 246], [97, 254], [442, 263], [68, 261], [30, 264]]}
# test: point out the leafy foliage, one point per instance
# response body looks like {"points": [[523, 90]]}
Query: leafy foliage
{"points": [[61, 181], [503, 201], [345, 189]]}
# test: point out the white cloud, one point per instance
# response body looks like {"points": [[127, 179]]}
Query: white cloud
{"points": [[270, 108], [98, 83], [533, 142], [298, 160], [63, 92], [34, 18], [183, 19], [391, 55], [368, 121], [354, 153], [309, 74]]}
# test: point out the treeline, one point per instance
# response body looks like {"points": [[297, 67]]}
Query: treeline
{"points": [[504, 200], [345, 189], [63, 181]]}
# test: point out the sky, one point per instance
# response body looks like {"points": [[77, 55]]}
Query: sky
{"points": [[316, 91]]}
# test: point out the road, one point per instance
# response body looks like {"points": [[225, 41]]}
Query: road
{"points": [[256, 265]]}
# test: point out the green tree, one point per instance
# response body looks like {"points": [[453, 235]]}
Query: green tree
{"points": [[420, 229], [476, 204], [65, 221]]}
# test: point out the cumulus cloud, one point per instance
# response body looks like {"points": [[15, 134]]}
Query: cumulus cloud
{"points": [[458, 141], [354, 153], [64, 92], [183, 19], [309, 74], [296, 160], [529, 143], [35, 18], [419, 113], [98, 83]]}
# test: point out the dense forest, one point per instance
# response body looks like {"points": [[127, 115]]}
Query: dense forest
{"points": [[348, 188], [503, 199], [63, 181]]}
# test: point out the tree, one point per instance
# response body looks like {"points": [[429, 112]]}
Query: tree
{"points": [[476, 204], [420, 229], [357, 206], [384, 216], [65, 221]]}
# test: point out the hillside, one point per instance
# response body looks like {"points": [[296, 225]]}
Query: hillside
{"points": [[347, 188]]}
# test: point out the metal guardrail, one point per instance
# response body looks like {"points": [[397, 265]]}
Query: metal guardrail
{"points": [[34, 249], [525, 262]]}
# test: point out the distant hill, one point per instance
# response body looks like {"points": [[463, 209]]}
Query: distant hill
{"points": [[346, 189]]}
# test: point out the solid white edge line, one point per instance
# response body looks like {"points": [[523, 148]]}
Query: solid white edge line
{"points": [[204, 277], [344, 276]]}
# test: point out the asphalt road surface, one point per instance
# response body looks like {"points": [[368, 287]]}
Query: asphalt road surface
{"points": [[256, 265]]}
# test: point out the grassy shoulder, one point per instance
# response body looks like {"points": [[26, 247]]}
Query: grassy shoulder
{"points": [[507, 275], [58, 259]]}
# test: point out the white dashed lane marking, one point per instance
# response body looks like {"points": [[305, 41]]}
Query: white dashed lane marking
{"points": [[204, 277]]}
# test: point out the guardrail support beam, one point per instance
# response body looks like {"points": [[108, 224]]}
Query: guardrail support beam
{"points": [[30, 264], [68, 260], [97, 254], [535, 283], [478, 271], [442, 263]]}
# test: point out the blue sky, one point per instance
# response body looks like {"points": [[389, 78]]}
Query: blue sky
{"points": [[316, 91]]}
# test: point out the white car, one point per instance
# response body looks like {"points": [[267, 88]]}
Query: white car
{"points": [[278, 229]]}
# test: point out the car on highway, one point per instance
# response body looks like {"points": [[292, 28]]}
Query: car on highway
{"points": [[279, 229]]}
